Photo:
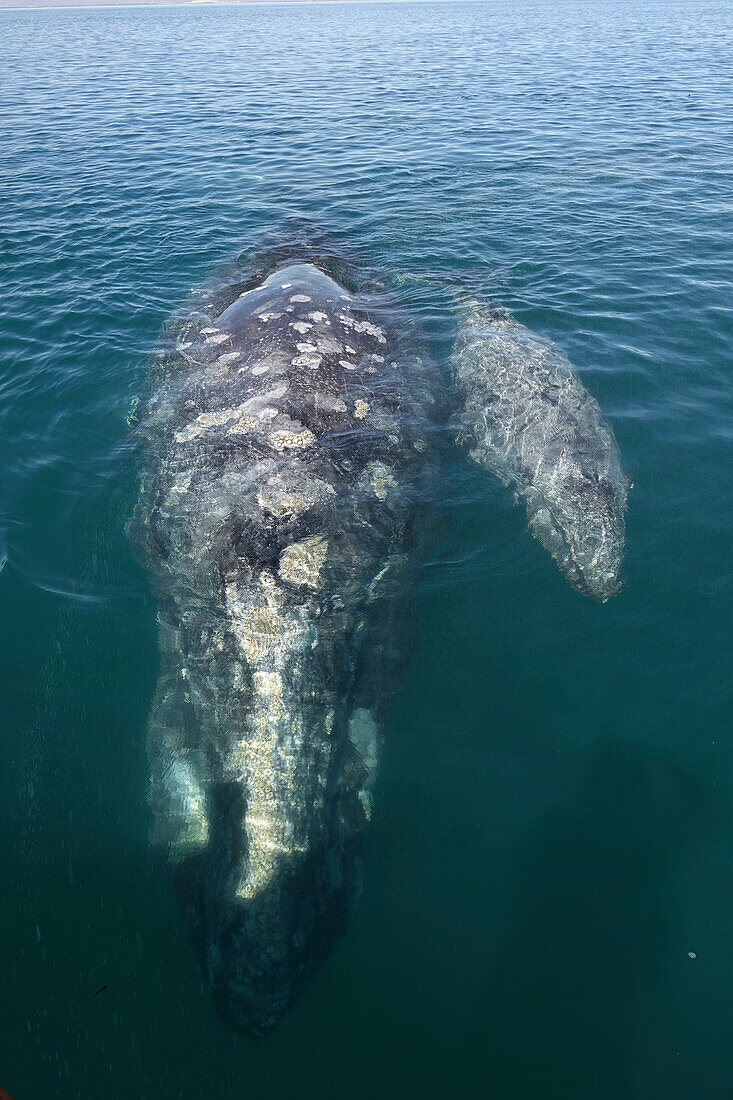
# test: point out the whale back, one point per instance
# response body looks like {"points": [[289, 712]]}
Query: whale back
{"points": [[283, 453]]}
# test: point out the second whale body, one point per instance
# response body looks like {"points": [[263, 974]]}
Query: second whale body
{"points": [[288, 439], [526, 417]]}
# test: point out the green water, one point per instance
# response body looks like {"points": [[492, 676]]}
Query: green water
{"points": [[553, 821]]}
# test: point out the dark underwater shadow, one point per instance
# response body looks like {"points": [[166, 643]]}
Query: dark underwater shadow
{"points": [[575, 1002]]}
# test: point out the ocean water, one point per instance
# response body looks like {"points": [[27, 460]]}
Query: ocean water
{"points": [[548, 891]]}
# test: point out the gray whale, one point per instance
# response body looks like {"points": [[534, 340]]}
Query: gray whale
{"points": [[525, 416], [289, 434], [285, 443]]}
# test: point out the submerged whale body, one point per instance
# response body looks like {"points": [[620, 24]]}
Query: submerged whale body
{"points": [[284, 448], [288, 436], [525, 416]]}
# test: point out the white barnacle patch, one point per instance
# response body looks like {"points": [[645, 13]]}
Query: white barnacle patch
{"points": [[382, 479], [308, 357], [285, 286], [292, 441], [260, 630], [301, 326], [261, 368], [351, 351], [301, 562], [312, 361], [266, 825], [206, 421], [346, 365], [218, 339], [361, 408], [268, 635], [228, 357], [377, 358], [209, 331], [240, 426], [300, 298], [280, 502], [269, 684], [319, 317], [327, 345], [281, 497], [266, 317], [370, 330]]}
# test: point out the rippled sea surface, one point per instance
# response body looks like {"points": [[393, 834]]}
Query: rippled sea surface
{"points": [[548, 896]]}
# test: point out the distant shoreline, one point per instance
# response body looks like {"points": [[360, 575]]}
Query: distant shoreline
{"points": [[97, 4]]}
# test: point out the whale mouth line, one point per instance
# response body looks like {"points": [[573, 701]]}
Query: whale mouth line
{"points": [[575, 573]]}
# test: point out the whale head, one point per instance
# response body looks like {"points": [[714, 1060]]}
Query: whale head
{"points": [[579, 519]]}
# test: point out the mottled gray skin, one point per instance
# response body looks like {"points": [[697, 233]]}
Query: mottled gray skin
{"points": [[285, 442], [525, 416]]}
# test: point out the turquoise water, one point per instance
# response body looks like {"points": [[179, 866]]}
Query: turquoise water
{"points": [[553, 823]]}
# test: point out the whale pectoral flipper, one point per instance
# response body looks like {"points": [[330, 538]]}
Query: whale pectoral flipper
{"points": [[177, 794], [525, 416]]}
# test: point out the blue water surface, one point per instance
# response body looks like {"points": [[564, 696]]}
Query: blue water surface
{"points": [[548, 896]]}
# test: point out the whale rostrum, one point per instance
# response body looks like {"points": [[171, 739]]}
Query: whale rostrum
{"points": [[287, 439]]}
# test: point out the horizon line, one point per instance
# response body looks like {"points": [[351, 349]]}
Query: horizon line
{"points": [[99, 4]]}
